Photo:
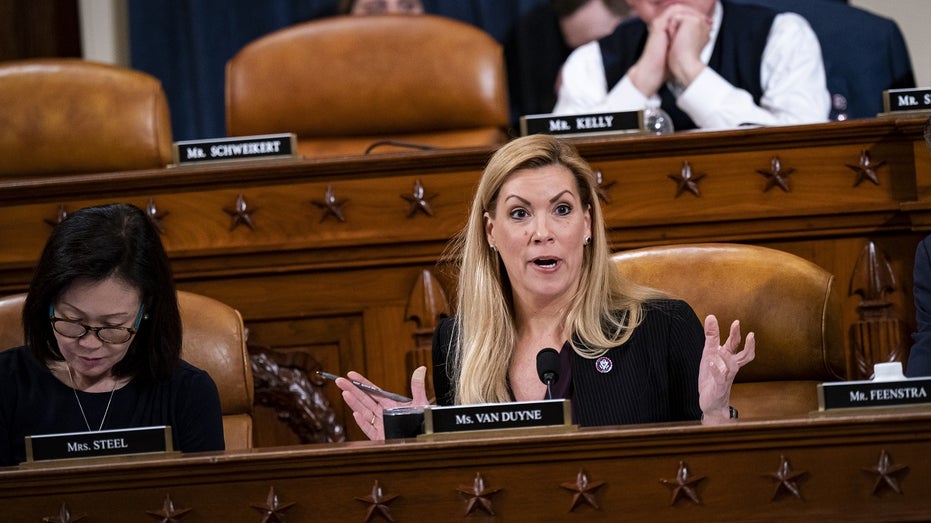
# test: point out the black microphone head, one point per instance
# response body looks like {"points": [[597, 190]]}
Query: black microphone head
{"points": [[548, 365]]}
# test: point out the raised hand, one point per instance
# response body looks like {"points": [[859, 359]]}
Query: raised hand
{"points": [[719, 366]]}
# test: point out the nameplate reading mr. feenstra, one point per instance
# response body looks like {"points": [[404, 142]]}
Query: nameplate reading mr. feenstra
{"points": [[142, 440], [492, 416], [582, 124], [857, 394], [235, 148]]}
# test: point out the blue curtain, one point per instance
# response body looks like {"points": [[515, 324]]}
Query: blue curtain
{"points": [[186, 44], [533, 46]]}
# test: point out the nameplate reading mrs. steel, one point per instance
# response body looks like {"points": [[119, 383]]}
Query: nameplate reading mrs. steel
{"points": [[582, 124], [906, 100], [189, 152], [142, 440], [493, 416]]}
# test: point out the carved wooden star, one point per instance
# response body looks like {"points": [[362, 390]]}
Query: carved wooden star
{"points": [[154, 216], [418, 201], [168, 513], [272, 511], [378, 503], [776, 175], [603, 187], [786, 479], [479, 496], [584, 491], [60, 216], [330, 205], [686, 180], [240, 213], [64, 516], [866, 170], [886, 473], [683, 485]]}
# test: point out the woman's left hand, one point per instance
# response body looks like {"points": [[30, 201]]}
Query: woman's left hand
{"points": [[719, 366]]}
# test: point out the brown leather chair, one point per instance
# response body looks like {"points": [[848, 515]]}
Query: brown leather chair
{"points": [[344, 83], [787, 301], [214, 340], [73, 116]]}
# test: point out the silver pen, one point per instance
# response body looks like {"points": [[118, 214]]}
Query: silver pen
{"points": [[368, 388]]}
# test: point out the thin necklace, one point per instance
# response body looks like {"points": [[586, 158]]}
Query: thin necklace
{"points": [[107, 410]]}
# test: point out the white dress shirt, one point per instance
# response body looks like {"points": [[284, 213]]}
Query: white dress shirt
{"points": [[792, 76]]}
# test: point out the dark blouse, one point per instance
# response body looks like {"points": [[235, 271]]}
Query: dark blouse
{"points": [[33, 401], [651, 378]]}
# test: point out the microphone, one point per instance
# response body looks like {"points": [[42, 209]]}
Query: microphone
{"points": [[548, 369]]}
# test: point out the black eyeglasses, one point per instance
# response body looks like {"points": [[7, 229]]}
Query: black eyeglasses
{"points": [[74, 329]]}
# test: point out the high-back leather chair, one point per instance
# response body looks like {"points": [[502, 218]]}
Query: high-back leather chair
{"points": [[787, 301], [343, 83], [213, 340], [75, 116]]}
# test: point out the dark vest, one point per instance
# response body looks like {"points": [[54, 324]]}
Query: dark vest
{"points": [[737, 54]]}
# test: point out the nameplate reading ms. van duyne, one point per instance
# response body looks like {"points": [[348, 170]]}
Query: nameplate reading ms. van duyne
{"points": [[858, 394], [142, 440], [492, 416], [211, 150], [582, 124]]}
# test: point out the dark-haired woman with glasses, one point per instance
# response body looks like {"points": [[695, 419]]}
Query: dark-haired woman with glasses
{"points": [[103, 335]]}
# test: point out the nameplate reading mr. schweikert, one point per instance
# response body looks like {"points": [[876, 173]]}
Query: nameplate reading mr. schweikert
{"points": [[235, 148]]}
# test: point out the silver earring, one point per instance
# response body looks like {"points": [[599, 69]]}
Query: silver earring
{"points": [[588, 240], [493, 249]]}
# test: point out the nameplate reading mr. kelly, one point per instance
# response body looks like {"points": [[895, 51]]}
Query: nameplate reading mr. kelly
{"points": [[582, 124], [492, 416], [143, 440]]}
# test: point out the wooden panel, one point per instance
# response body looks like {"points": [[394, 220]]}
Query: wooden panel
{"points": [[831, 463]]}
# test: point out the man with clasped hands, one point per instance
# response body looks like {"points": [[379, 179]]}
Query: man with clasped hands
{"points": [[712, 64]]}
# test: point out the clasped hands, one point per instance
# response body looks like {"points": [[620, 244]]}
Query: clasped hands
{"points": [[718, 368], [673, 49]]}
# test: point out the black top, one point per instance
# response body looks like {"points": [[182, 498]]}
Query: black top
{"points": [[33, 401], [652, 378], [919, 358], [737, 54]]}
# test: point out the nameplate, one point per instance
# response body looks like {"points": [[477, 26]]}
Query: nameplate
{"points": [[907, 100], [282, 145], [859, 394], [496, 416], [582, 124], [142, 440]]}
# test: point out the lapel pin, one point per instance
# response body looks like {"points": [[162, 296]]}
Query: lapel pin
{"points": [[604, 364]]}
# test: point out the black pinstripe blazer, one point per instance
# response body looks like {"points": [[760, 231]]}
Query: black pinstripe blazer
{"points": [[653, 377]]}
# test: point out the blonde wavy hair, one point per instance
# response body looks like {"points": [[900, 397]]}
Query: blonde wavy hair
{"points": [[603, 312]]}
